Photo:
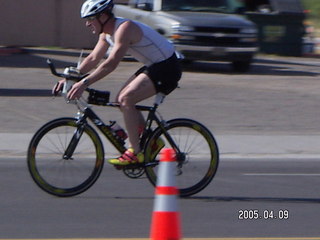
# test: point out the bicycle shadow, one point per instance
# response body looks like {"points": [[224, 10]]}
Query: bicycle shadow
{"points": [[254, 199]]}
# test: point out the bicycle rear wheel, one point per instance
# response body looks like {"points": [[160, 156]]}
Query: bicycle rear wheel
{"points": [[198, 161], [55, 172]]}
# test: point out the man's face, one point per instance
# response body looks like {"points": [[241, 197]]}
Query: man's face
{"points": [[94, 24]]}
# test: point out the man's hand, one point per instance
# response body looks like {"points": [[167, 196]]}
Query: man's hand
{"points": [[76, 90], [58, 87]]}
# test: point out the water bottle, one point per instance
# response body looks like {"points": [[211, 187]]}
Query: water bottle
{"points": [[118, 131], [72, 72]]}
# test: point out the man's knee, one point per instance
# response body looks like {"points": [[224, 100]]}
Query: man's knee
{"points": [[126, 101]]}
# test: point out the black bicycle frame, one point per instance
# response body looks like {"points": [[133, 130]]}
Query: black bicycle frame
{"points": [[105, 129], [88, 113], [161, 124]]}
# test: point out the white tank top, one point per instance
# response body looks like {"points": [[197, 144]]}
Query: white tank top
{"points": [[152, 47]]}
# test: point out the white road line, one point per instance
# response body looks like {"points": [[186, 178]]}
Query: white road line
{"points": [[283, 174]]}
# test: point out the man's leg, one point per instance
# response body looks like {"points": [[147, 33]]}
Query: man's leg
{"points": [[141, 118], [137, 90]]}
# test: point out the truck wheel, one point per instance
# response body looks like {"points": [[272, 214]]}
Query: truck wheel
{"points": [[241, 66]]}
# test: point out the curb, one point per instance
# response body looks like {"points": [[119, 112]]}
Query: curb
{"points": [[7, 51]]}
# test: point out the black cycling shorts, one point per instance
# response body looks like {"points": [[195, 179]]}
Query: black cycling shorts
{"points": [[164, 75]]}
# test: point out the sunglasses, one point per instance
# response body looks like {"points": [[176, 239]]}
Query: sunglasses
{"points": [[91, 18]]}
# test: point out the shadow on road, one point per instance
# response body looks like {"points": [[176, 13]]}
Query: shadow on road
{"points": [[16, 92], [259, 67], [257, 199], [29, 61], [219, 199]]}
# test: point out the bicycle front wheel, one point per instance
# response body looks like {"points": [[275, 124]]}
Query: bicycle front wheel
{"points": [[198, 157], [57, 171]]}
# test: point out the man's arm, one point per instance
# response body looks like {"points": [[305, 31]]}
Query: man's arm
{"points": [[99, 51], [124, 36], [89, 63], [127, 33]]}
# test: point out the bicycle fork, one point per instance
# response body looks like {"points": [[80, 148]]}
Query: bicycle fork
{"points": [[73, 142]]}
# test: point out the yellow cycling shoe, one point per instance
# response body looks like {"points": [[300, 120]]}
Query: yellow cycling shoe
{"points": [[128, 157]]}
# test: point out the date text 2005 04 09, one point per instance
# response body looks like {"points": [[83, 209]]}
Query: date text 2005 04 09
{"points": [[255, 214]]}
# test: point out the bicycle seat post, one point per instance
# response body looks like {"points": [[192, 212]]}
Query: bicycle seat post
{"points": [[159, 99]]}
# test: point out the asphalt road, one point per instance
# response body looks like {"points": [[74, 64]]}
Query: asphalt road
{"points": [[283, 192], [266, 123]]}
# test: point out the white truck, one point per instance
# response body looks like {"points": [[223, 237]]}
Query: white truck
{"points": [[200, 29]]}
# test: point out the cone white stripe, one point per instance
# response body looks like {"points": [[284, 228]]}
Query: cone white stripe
{"points": [[166, 169], [166, 203]]}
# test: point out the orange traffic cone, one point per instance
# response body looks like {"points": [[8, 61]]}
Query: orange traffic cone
{"points": [[165, 218]]}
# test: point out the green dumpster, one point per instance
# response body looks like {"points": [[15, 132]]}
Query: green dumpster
{"points": [[281, 30]]}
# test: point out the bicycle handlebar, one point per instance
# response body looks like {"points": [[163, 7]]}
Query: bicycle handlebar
{"points": [[95, 97], [53, 69], [67, 85], [62, 75]]}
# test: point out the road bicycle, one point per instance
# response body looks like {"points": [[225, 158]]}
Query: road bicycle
{"points": [[66, 156]]}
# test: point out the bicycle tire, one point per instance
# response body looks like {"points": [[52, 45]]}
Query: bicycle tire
{"points": [[65, 177], [198, 145]]}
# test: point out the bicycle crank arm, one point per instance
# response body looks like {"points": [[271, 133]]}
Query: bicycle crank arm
{"points": [[151, 164]]}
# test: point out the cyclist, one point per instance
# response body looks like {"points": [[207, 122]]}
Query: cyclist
{"points": [[161, 71]]}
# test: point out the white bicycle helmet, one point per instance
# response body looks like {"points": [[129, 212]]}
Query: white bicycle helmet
{"points": [[94, 7]]}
